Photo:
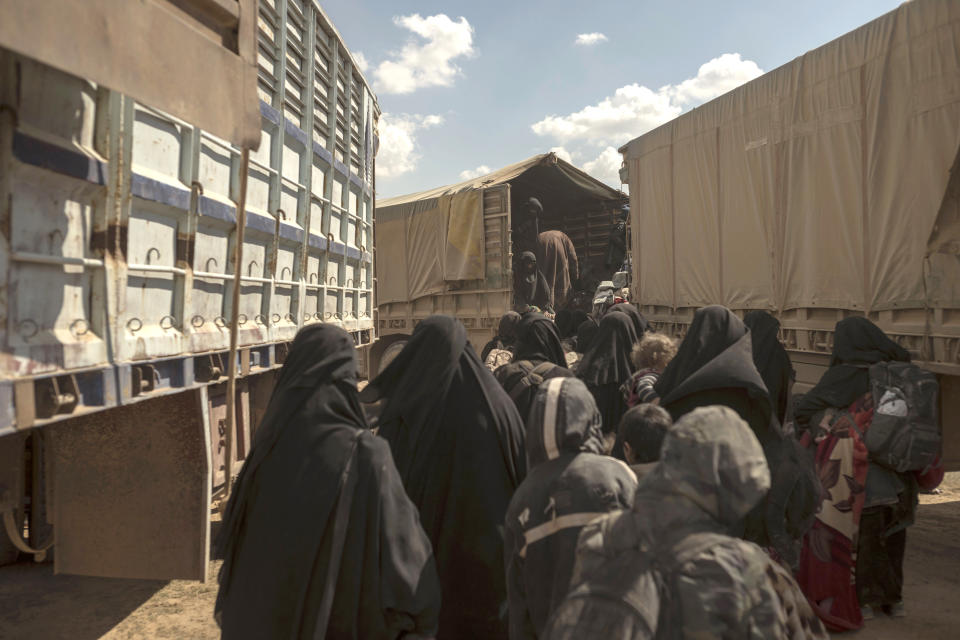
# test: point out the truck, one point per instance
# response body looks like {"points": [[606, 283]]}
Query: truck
{"points": [[825, 188], [449, 249], [132, 178]]}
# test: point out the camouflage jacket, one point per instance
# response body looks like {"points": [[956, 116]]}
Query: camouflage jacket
{"points": [[666, 568]]}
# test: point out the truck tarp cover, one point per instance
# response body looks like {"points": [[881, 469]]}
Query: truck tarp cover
{"points": [[823, 183], [429, 238]]}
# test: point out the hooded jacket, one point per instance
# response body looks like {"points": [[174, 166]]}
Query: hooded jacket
{"points": [[712, 473], [568, 485]]}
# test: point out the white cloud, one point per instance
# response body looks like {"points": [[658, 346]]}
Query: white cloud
{"points": [[361, 61], [427, 59], [563, 154], [715, 78], [398, 142], [635, 109], [590, 39], [606, 166], [469, 174]]}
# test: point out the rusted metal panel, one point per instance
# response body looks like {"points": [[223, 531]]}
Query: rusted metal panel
{"points": [[205, 72], [131, 492]]}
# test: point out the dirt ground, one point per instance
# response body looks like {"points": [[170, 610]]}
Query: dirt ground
{"points": [[36, 604]]}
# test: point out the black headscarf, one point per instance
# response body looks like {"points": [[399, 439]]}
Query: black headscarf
{"points": [[506, 334], [539, 341], [568, 320], [639, 322], [277, 535], [532, 288], [716, 353], [458, 443], [714, 365], [586, 334], [771, 359], [857, 344], [608, 359]]}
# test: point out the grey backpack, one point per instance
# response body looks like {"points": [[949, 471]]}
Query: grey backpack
{"points": [[905, 432]]}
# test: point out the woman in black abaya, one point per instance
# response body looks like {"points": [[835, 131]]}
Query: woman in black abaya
{"points": [[607, 365], [639, 322], [714, 365], [771, 360], [284, 554], [458, 442]]}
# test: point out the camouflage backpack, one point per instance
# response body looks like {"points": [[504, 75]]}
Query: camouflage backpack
{"points": [[629, 598]]}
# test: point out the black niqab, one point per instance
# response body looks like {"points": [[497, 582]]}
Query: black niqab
{"points": [[771, 359], [586, 334], [458, 442], [640, 324], [608, 359], [568, 320], [857, 344], [506, 334], [532, 288], [539, 341], [277, 533], [716, 353]]}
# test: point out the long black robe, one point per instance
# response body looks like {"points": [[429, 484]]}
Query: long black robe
{"points": [[640, 324], [458, 442], [531, 288], [771, 360], [278, 527], [607, 365], [714, 366], [586, 334]]}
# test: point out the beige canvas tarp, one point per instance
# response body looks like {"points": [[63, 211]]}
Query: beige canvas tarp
{"points": [[818, 184], [427, 239]]}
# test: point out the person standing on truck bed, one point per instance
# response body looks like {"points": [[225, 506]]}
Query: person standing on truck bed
{"points": [[617, 244], [458, 442], [557, 258], [319, 538], [527, 226]]}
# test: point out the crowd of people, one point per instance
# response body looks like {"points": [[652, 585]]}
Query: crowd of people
{"points": [[579, 477]]}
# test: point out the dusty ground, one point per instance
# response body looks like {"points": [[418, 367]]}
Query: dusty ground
{"points": [[36, 604]]}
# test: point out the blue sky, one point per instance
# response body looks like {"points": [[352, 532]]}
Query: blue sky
{"points": [[471, 85]]}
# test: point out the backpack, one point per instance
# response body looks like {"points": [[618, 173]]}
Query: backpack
{"points": [[527, 376], [905, 433], [497, 358], [633, 593]]}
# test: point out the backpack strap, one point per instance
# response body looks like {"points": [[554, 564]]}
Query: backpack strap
{"points": [[532, 377]]}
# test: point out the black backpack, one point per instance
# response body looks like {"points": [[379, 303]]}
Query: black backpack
{"points": [[904, 434], [527, 376]]}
